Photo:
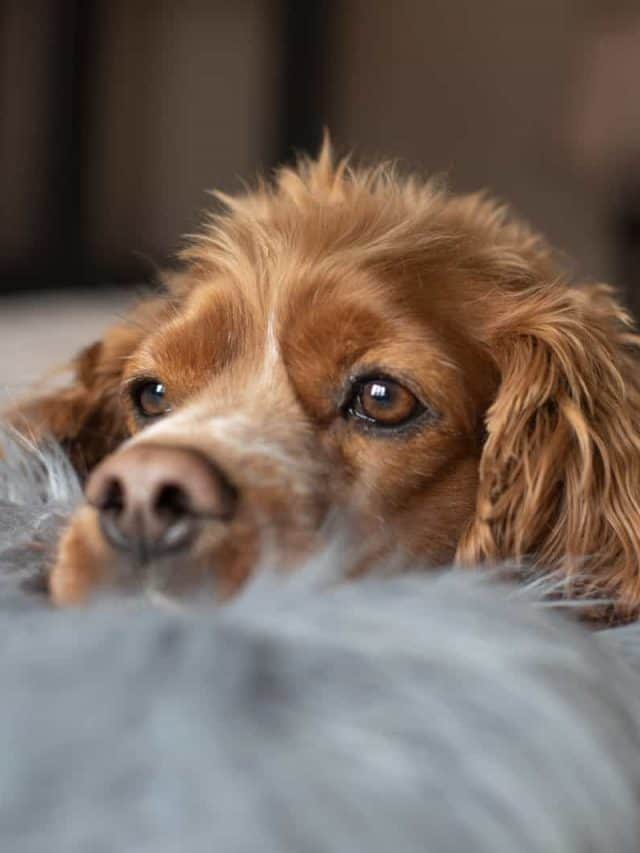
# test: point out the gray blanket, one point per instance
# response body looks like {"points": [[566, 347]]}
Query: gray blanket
{"points": [[438, 713]]}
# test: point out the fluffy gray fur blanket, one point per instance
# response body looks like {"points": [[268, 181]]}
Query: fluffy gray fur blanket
{"points": [[426, 713]]}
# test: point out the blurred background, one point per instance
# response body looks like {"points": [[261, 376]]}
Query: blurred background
{"points": [[117, 115]]}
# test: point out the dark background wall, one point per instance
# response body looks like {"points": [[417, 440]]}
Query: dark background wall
{"points": [[116, 115]]}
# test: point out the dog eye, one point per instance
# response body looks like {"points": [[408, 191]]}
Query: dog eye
{"points": [[150, 398], [384, 402]]}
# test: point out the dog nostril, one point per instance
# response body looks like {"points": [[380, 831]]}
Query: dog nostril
{"points": [[112, 498], [172, 502]]}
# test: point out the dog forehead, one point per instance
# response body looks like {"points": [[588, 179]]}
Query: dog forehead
{"points": [[226, 319], [297, 322]]}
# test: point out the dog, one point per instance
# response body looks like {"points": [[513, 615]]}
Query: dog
{"points": [[349, 343]]}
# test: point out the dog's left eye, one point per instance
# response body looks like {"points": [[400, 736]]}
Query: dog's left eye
{"points": [[150, 398], [384, 402]]}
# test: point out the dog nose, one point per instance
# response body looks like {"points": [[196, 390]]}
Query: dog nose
{"points": [[152, 499]]}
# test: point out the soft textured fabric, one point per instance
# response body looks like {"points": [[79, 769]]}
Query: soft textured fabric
{"points": [[435, 713]]}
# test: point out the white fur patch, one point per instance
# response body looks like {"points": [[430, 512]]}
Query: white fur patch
{"points": [[272, 354]]}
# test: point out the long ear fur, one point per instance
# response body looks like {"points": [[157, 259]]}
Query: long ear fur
{"points": [[559, 478], [87, 416]]}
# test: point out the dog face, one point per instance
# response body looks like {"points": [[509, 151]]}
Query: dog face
{"points": [[311, 392], [356, 345]]}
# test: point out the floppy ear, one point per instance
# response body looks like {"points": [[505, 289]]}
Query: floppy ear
{"points": [[559, 477], [87, 416]]}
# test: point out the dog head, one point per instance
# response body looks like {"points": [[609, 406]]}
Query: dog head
{"points": [[355, 343]]}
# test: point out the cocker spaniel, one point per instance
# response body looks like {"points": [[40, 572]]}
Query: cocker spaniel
{"points": [[348, 342]]}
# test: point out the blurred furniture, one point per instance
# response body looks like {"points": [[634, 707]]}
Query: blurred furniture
{"points": [[117, 115]]}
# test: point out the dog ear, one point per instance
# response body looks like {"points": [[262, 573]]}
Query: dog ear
{"points": [[87, 416], [559, 476]]}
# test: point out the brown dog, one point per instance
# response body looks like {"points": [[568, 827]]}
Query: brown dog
{"points": [[354, 341]]}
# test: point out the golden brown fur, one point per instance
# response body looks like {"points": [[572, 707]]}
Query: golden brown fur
{"points": [[533, 450]]}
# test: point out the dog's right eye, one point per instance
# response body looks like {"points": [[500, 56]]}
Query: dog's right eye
{"points": [[150, 398], [383, 403]]}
